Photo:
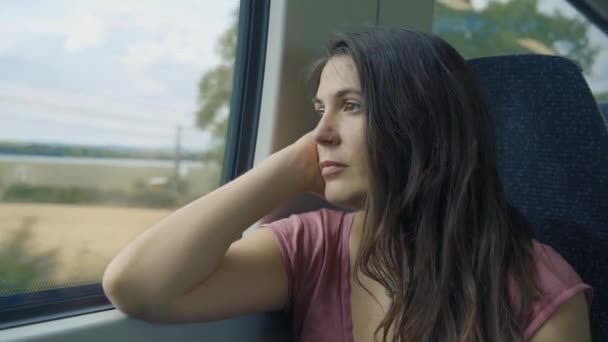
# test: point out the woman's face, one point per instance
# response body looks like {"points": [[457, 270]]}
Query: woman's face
{"points": [[340, 134]]}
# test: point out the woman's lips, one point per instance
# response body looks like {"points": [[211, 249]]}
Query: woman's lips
{"points": [[330, 167], [331, 170]]}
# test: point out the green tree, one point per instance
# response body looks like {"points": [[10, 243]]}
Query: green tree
{"points": [[214, 92], [512, 27], [602, 97]]}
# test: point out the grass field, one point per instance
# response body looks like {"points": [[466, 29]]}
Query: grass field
{"points": [[42, 245], [103, 177], [65, 244]]}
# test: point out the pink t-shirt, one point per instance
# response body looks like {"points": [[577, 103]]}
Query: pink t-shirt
{"points": [[315, 251]]}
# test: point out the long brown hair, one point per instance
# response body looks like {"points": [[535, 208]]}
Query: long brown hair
{"points": [[439, 233]]}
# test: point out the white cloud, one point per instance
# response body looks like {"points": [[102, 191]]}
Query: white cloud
{"points": [[62, 101], [551, 6], [32, 24], [15, 32], [175, 35], [7, 43], [148, 86], [186, 48], [143, 54], [89, 32], [152, 31], [148, 57]]}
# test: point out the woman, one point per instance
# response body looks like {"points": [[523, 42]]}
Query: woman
{"points": [[431, 252]]}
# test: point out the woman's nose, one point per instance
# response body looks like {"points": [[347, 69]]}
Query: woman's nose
{"points": [[326, 132]]}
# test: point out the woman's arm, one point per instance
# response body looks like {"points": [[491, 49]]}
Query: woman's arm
{"points": [[184, 261], [569, 323]]}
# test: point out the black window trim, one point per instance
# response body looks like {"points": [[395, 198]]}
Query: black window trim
{"points": [[41, 306], [592, 15], [246, 98]]}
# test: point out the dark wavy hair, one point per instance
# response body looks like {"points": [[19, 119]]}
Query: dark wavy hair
{"points": [[439, 233]]}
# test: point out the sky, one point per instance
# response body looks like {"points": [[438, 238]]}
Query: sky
{"points": [[125, 72], [108, 72]]}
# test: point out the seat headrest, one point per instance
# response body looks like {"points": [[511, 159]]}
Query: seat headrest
{"points": [[552, 146]]}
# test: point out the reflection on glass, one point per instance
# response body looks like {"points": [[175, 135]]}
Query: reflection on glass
{"points": [[112, 114], [494, 27]]}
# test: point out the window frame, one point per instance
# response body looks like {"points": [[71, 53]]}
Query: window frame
{"points": [[588, 12], [40, 306], [246, 96]]}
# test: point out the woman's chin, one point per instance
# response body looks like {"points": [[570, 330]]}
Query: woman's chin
{"points": [[343, 199]]}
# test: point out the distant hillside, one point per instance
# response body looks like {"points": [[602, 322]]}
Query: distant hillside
{"points": [[60, 150]]}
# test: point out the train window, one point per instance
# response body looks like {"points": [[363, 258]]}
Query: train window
{"points": [[112, 115], [492, 27]]}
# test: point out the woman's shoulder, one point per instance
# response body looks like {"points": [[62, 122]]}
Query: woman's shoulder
{"points": [[553, 271], [557, 281], [311, 235], [555, 276]]}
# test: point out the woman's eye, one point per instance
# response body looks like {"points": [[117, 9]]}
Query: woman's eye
{"points": [[319, 111], [351, 106]]}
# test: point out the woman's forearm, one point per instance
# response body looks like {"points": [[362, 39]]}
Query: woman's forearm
{"points": [[184, 248]]}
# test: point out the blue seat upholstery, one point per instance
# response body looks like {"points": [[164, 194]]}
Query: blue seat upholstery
{"points": [[552, 146]]}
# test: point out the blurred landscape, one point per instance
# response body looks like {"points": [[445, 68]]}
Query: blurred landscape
{"points": [[44, 246], [63, 218], [116, 181]]}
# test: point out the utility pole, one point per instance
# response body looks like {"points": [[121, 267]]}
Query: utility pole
{"points": [[177, 160]]}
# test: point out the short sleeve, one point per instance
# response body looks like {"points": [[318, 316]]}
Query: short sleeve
{"points": [[558, 283], [298, 239], [303, 242]]}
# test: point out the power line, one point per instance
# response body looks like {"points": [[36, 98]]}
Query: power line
{"points": [[70, 109], [141, 137], [128, 129], [188, 133]]}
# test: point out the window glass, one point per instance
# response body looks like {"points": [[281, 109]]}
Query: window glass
{"points": [[112, 114], [493, 27]]}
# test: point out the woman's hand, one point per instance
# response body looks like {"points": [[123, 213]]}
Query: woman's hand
{"points": [[303, 160]]}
